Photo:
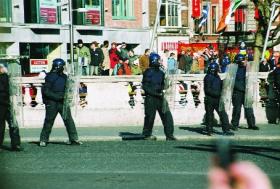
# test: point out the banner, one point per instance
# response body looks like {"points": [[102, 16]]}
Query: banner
{"points": [[226, 5], [239, 16], [48, 11], [38, 65], [196, 8], [194, 47], [93, 14]]}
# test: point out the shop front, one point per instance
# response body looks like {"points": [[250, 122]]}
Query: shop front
{"points": [[36, 57]]}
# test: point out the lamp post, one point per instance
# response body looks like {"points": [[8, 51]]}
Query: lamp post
{"points": [[71, 31]]}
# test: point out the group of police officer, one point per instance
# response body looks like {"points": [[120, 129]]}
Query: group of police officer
{"points": [[153, 83]]}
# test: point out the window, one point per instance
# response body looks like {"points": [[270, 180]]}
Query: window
{"points": [[214, 19], [205, 26], [169, 14], [240, 19], [94, 14], [42, 11], [123, 9], [5, 11]]}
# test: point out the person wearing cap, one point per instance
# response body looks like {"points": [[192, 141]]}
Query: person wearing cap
{"points": [[83, 56], [5, 112], [97, 58]]}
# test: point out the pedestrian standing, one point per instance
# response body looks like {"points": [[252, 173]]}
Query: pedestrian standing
{"points": [[84, 57], [114, 58], [153, 85], [172, 64], [97, 58], [53, 93], [144, 61], [164, 58], [238, 97], [106, 61], [273, 104], [213, 90], [5, 112], [264, 66]]}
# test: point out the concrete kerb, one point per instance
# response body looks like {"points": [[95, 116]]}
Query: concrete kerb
{"points": [[159, 138]]}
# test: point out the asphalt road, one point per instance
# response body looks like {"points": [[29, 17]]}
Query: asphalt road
{"points": [[126, 164]]}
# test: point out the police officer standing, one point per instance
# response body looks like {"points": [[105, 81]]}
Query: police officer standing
{"points": [[5, 112], [213, 89], [153, 85], [273, 105], [238, 97], [53, 93]]}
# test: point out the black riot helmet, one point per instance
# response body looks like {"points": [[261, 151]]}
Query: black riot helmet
{"points": [[154, 60], [240, 59], [213, 68], [58, 65]]}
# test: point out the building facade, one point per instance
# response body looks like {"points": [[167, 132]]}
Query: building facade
{"points": [[39, 29], [176, 23]]}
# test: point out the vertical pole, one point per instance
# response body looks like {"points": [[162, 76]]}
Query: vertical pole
{"points": [[71, 32], [155, 25], [268, 30]]}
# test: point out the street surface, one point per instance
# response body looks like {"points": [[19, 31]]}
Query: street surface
{"points": [[104, 161]]}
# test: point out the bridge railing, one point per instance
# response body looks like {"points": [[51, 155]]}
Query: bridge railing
{"points": [[108, 102]]}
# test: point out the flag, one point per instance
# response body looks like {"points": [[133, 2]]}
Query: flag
{"points": [[195, 9], [225, 19], [204, 17], [226, 5]]}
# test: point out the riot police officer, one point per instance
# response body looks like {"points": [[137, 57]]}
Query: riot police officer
{"points": [[213, 90], [273, 104], [53, 93], [153, 85], [5, 112], [238, 97]]}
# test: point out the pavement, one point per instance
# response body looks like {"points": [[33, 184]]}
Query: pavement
{"points": [[187, 132], [105, 161]]}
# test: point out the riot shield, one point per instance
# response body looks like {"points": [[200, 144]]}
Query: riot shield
{"points": [[16, 104], [169, 91], [251, 91], [228, 85], [71, 97]]}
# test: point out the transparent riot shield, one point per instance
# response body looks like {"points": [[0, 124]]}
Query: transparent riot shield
{"points": [[228, 85], [71, 97], [16, 104], [251, 91], [169, 91]]}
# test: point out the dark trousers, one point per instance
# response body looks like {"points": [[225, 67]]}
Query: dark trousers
{"points": [[238, 99], [5, 115], [152, 105], [212, 104], [52, 109]]}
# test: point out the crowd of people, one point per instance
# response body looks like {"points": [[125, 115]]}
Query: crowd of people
{"points": [[117, 59]]}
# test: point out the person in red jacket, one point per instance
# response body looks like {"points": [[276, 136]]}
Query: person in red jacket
{"points": [[114, 58]]}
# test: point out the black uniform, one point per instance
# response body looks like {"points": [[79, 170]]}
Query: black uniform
{"points": [[273, 104], [53, 94], [238, 99], [5, 114], [153, 85], [213, 90]]}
